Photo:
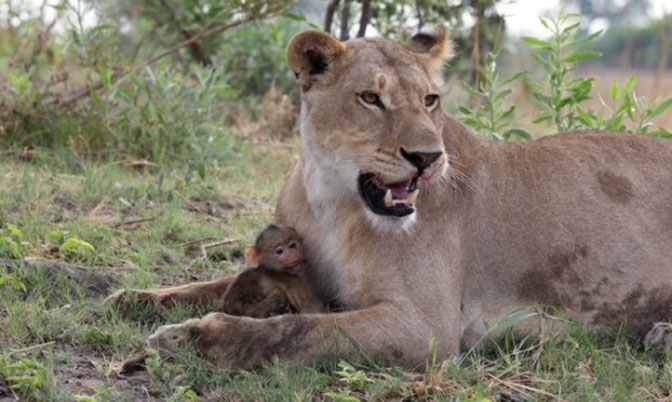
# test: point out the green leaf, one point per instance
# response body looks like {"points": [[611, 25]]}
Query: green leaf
{"points": [[613, 91], [465, 110], [543, 99], [513, 77], [541, 118], [101, 27], [340, 397], [531, 40], [578, 55], [540, 60], [571, 28], [517, 132], [502, 95], [661, 107], [13, 281], [472, 122], [662, 132], [585, 117], [507, 114], [200, 168], [105, 76], [630, 83], [10, 249], [588, 39]]}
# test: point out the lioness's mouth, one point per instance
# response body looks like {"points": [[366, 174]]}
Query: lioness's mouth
{"points": [[395, 199]]}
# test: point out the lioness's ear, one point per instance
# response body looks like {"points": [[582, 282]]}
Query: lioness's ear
{"points": [[433, 48], [310, 53]]}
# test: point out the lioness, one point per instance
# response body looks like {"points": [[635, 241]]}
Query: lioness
{"points": [[581, 221]]}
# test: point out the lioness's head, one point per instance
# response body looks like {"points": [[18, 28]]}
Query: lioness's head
{"points": [[370, 119]]}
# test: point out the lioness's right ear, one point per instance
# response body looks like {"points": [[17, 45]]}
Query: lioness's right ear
{"points": [[310, 53], [433, 48]]}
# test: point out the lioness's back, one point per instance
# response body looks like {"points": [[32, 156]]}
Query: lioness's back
{"points": [[581, 221]]}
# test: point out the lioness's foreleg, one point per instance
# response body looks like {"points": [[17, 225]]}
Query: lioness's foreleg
{"points": [[196, 294], [384, 332]]}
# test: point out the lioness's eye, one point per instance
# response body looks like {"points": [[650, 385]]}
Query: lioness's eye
{"points": [[371, 98], [431, 100]]}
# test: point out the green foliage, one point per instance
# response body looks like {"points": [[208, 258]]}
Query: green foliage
{"points": [[121, 97], [171, 117], [12, 244], [627, 112], [11, 280], [342, 396], [71, 247], [562, 94], [166, 378], [183, 394], [25, 376], [637, 46], [492, 117], [348, 374], [558, 57], [180, 20], [254, 56]]}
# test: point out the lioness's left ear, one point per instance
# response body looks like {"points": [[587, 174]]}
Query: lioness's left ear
{"points": [[310, 53], [433, 48]]}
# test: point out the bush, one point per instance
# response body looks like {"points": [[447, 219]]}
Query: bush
{"points": [[86, 93]]}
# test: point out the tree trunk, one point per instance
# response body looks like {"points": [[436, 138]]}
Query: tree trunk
{"points": [[345, 21], [329, 15], [365, 18]]}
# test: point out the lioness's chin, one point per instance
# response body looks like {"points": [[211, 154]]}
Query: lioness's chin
{"points": [[390, 224]]}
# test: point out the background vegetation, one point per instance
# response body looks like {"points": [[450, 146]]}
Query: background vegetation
{"points": [[145, 142]]}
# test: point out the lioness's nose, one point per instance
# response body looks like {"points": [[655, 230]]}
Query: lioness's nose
{"points": [[421, 160]]}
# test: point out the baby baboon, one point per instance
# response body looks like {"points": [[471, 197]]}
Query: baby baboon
{"points": [[278, 248], [271, 284]]}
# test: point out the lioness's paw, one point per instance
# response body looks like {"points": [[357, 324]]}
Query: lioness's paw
{"points": [[116, 298], [659, 338], [124, 296], [167, 338]]}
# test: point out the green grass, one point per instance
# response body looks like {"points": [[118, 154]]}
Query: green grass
{"points": [[145, 226]]}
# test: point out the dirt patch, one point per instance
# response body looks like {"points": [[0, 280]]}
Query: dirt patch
{"points": [[82, 377]]}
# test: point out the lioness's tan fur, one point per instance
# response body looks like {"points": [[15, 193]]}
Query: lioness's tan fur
{"points": [[581, 221]]}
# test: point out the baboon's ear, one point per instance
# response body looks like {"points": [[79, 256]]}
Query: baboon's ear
{"points": [[251, 257], [310, 53], [433, 49]]}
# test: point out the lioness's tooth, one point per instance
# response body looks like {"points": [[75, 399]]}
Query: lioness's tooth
{"points": [[388, 198], [413, 196]]}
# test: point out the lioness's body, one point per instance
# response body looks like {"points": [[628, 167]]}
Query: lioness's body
{"points": [[581, 221]]}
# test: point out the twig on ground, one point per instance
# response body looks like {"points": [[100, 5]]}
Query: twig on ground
{"points": [[525, 389], [197, 241], [132, 222], [204, 247], [32, 347]]}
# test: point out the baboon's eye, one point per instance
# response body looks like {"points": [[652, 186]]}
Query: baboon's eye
{"points": [[431, 101], [292, 244], [279, 250], [371, 98]]}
